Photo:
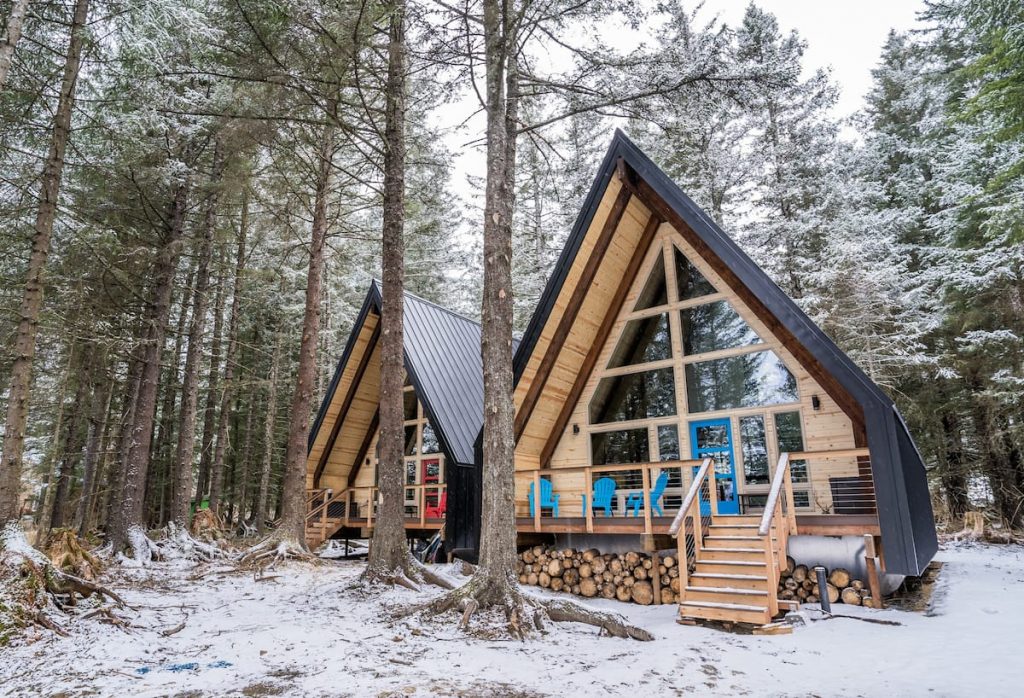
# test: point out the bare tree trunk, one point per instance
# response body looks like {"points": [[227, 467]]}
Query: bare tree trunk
{"points": [[260, 512], [224, 414], [130, 513], [45, 507], [293, 491], [212, 384], [389, 555], [244, 459], [12, 34], [102, 392], [119, 463], [32, 300], [498, 530], [185, 454], [73, 442]]}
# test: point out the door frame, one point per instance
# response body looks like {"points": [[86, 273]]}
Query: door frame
{"points": [[731, 507]]}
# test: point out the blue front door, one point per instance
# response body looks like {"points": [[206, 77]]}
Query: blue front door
{"points": [[712, 438]]}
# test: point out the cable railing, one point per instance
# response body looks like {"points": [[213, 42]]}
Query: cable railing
{"points": [[423, 504], [693, 517], [620, 496]]}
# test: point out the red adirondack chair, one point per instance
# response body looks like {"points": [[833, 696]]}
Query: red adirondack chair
{"points": [[437, 512]]}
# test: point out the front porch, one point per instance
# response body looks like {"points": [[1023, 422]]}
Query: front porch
{"points": [[328, 512]]}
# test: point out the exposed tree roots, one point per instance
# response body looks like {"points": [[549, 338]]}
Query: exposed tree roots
{"points": [[408, 573], [266, 554], [32, 586], [525, 613]]}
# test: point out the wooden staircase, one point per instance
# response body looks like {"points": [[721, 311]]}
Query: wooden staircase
{"points": [[325, 514], [736, 559], [731, 580]]}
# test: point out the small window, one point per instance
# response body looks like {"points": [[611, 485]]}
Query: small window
{"points": [[714, 326], [668, 442], [655, 292], [410, 472], [430, 444], [749, 380], [410, 440], [409, 401], [641, 395], [754, 447], [691, 283], [643, 341], [802, 499], [791, 440], [626, 446]]}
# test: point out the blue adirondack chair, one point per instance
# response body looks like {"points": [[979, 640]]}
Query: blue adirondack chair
{"points": [[547, 497], [604, 490], [636, 500]]}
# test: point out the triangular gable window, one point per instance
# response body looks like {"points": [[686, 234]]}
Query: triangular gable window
{"points": [[655, 292], [643, 341], [691, 282]]}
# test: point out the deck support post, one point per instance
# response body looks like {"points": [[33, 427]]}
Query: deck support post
{"points": [[645, 474], [656, 576], [588, 487], [871, 563], [536, 501]]}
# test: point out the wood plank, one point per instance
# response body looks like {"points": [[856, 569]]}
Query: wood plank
{"points": [[364, 361], [353, 472], [590, 361], [565, 322]]}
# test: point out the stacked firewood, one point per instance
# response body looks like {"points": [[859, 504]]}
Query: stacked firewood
{"points": [[624, 576], [799, 583]]}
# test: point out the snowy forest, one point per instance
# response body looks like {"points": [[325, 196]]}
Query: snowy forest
{"points": [[187, 184]]}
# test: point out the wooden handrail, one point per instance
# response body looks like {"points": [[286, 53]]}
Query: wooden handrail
{"points": [[773, 495], [824, 455], [690, 495]]}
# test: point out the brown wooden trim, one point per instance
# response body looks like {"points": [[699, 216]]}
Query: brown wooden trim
{"points": [[364, 361], [599, 340], [653, 201], [565, 322], [367, 440]]}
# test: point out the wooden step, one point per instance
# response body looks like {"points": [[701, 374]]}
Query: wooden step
{"points": [[740, 554], [716, 594], [735, 612], [732, 519], [731, 567], [734, 542], [735, 530], [734, 581]]}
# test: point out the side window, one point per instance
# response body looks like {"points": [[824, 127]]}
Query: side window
{"points": [[754, 447], [791, 439]]}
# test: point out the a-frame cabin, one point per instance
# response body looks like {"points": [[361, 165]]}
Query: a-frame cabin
{"points": [[443, 415], [665, 385]]}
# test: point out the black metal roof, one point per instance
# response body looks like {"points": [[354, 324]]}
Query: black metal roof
{"points": [[442, 357], [901, 488]]}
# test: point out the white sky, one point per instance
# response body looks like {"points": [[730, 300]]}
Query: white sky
{"points": [[845, 36]]}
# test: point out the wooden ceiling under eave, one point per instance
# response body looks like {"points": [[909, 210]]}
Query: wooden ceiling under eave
{"points": [[357, 393], [580, 319]]}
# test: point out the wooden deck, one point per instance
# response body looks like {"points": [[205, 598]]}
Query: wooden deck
{"points": [[807, 525]]}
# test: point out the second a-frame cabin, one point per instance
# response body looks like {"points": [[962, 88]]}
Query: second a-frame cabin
{"points": [[443, 415], [665, 386]]}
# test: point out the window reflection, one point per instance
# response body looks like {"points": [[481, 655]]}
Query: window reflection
{"points": [[655, 293], [754, 447], [714, 326], [430, 444], [643, 341], [625, 446], [691, 283], [791, 440], [641, 395], [410, 440], [749, 380]]}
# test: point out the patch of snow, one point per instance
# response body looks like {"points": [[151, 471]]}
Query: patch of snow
{"points": [[13, 540], [315, 630]]}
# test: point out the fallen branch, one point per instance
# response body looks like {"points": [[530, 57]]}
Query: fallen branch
{"points": [[614, 625]]}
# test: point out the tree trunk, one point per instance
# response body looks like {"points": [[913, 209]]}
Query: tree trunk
{"points": [[119, 464], [73, 442], [12, 34], [244, 457], [102, 392], [260, 511], [388, 553], [185, 453], [224, 414], [32, 299], [44, 507], [130, 513], [293, 491], [498, 531], [212, 384]]}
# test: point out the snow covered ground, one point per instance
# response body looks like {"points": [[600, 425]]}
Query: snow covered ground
{"points": [[315, 632]]}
